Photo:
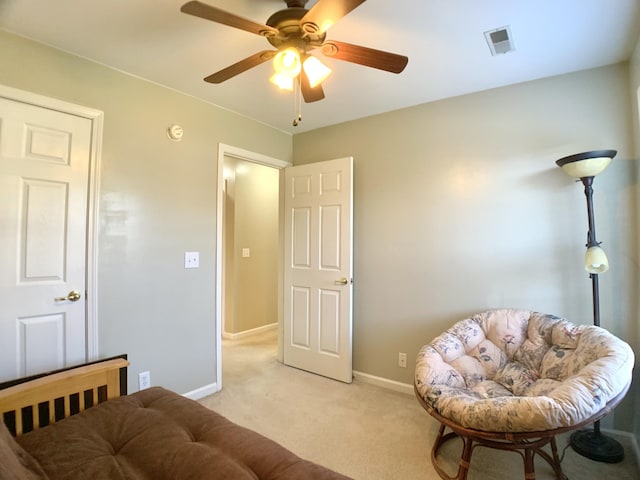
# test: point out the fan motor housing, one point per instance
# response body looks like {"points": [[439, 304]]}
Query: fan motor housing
{"points": [[291, 33], [296, 3]]}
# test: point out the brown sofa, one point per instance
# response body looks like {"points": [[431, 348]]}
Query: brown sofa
{"points": [[154, 434]]}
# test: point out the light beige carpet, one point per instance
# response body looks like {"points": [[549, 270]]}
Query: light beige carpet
{"points": [[360, 430]]}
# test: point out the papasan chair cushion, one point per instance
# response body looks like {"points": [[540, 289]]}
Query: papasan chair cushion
{"points": [[521, 371]]}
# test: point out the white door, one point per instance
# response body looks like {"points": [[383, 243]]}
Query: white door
{"points": [[44, 177], [318, 268]]}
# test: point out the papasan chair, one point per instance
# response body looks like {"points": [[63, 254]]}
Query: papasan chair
{"points": [[514, 379]]}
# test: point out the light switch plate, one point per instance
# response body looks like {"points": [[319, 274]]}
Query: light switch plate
{"points": [[191, 259], [246, 253]]}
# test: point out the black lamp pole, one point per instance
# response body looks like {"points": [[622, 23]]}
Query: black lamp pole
{"points": [[592, 443], [592, 242]]}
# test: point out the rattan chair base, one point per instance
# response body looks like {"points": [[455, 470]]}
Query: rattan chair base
{"points": [[526, 444], [526, 448]]}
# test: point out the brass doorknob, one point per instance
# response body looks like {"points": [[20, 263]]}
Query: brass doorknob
{"points": [[342, 281], [73, 296]]}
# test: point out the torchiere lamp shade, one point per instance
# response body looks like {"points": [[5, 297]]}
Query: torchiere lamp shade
{"points": [[587, 164]]}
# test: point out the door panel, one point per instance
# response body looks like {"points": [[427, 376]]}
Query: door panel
{"points": [[330, 216], [41, 342], [300, 325], [329, 322], [318, 268], [44, 177], [301, 220], [43, 217]]}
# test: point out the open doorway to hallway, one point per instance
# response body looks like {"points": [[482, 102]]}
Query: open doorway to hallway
{"points": [[250, 243]]}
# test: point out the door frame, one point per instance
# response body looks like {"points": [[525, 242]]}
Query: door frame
{"points": [[249, 156], [93, 183]]}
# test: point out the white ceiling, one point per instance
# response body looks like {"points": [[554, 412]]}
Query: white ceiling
{"points": [[444, 40]]}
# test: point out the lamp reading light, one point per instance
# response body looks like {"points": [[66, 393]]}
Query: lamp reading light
{"points": [[317, 72], [595, 260]]}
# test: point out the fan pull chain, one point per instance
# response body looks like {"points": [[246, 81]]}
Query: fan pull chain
{"points": [[297, 103]]}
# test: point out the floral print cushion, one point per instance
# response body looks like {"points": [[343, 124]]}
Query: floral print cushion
{"points": [[491, 389], [515, 370], [471, 370], [517, 378], [555, 363], [507, 335]]}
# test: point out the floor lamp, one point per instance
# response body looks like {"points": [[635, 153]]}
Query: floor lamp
{"points": [[584, 167]]}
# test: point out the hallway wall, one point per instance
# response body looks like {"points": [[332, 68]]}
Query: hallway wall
{"points": [[251, 225]]}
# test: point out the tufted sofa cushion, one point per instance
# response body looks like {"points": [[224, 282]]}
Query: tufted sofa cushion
{"points": [[517, 371], [15, 463], [160, 435]]}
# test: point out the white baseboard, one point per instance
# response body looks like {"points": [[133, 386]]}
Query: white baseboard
{"points": [[246, 333], [383, 382], [202, 392], [212, 388]]}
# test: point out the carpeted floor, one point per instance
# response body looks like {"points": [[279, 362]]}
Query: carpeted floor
{"points": [[360, 430]]}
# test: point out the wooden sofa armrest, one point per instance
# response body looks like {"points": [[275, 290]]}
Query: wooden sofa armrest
{"points": [[49, 398]]}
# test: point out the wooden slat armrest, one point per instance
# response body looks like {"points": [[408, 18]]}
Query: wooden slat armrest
{"points": [[62, 385]]}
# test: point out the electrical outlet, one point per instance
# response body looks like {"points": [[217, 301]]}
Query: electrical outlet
{"points": [[402, 360], [144, 380], [191, 259]]}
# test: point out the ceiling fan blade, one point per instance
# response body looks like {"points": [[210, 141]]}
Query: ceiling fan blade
{"points": [[309, 94], [214, 14], [368, 57], [325, 13], [241, 66]]}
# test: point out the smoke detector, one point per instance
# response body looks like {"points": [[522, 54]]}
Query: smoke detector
{"points": [[500, 40]]}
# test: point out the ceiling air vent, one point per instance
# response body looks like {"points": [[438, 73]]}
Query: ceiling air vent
{"points": [[499, 40]]}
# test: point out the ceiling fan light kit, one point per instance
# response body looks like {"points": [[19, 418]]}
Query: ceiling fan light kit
{"points": [[295, 32], [287, 66]]}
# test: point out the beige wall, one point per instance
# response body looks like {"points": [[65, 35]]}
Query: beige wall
{"points": [[634, 100], [157, 200], [251, 221], [459, 207]]}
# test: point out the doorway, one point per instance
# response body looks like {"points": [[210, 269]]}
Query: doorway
{"points": [[248, 244], [250, 248]]}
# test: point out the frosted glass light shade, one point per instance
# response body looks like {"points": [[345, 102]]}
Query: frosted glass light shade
{"points": [[595, 260], [587, 168], [587, 164], [317, 72], [283, 82], [287, 63]]}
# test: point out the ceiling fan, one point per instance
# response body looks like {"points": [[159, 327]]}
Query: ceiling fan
{"points": [[295, 32]]}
